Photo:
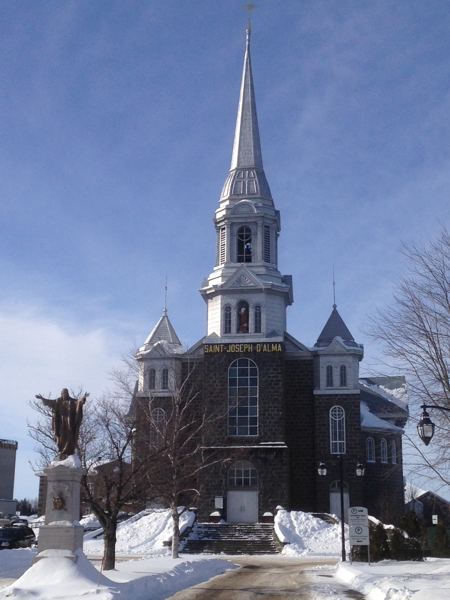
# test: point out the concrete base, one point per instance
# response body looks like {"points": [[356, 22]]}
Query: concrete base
{"points": [[62, 530], [60, 537]]}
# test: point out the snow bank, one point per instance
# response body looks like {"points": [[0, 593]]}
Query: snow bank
{"points": [[306, 535], [391, 580], [145, 533], [59, 578]]}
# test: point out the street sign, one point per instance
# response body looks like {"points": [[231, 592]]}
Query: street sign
{"points": [[359, 536], [358, 516]]}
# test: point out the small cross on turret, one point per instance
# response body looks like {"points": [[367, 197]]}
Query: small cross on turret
{"points": [[250, 6]]}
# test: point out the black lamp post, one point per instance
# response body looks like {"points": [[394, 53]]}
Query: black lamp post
{"points": [[425, 427], [322, 470]]}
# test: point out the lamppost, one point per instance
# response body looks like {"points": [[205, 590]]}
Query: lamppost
{"points": [[425, 427], [322, 470]]}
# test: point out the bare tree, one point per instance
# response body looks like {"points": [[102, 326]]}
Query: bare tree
{"points": [[174, 477], [415, 334]]}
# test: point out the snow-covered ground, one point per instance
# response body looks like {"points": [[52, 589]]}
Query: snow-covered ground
{"points": [[391, 580], [56, 577], [306, 535]]}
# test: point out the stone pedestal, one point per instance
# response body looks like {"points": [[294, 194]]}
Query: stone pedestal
{"points": [[62, 530]]}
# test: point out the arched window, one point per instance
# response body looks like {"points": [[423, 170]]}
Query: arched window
{"points": [[384, 451], [157, 427], [394, 452], [242, 474], [243, 397], [370, 450], [337, 430], [257, 310], [242, 317], [165, 379], [329, 376], [343, 376], [244, 245], [152, 379], [227, 319]]}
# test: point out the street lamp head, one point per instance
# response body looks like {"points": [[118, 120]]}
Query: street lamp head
{"points": [[425, 427], [360, 469], [322, 470]]}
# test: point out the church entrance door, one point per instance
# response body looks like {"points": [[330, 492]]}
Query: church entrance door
{"points": [[335, 500], [242, 506]]}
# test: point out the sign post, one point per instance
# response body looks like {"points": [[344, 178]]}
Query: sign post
{"points": [[358, 522]]}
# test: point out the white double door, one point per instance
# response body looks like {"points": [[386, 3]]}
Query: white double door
{"points": [[242, 506]]}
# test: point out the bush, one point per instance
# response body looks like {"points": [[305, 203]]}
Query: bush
{"points": [[410, 523], [379, 547]]}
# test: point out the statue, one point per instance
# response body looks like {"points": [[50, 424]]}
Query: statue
{"points": [[243, 320], [67, 417]]}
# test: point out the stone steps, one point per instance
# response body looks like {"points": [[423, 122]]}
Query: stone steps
{"points": [[224, 538]]}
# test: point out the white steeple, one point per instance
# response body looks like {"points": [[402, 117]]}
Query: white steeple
{"points": [[245, 283]]}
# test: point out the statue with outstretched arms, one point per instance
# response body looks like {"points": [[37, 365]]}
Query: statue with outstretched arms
{"points": [[67, 418]]}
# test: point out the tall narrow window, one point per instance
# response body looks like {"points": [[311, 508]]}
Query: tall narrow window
{"points": [[266, 243], [157, 427], [370, 450], [223, 246], [243, 398], [384, 451], [329, 376], [394, 452], [343, 376], [337, 430], [244, 245], [227, 320], [165, 379], [242, 317], [152, 379], [257, 319]]}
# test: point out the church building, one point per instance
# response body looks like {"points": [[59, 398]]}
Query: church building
{"points": [[286, 407]]}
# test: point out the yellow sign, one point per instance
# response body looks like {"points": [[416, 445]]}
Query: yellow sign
{"points": [[218, 348]]}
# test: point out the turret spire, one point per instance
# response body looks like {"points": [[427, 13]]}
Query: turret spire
{"points": [[246, 177], [247, 147]]}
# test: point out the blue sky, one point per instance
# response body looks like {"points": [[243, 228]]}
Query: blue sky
{"points": [[116, 129]]}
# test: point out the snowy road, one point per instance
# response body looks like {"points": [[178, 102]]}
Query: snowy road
{"points": [[272, 578]]}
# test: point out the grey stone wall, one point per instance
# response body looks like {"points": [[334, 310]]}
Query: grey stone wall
{"points": [[351, 404], [383, 482], [300, 419]]}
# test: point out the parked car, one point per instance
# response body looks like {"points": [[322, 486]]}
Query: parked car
{"points": [[5, 520], [18, 521], [16, 537]]}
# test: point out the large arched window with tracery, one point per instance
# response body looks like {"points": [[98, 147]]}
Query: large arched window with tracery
{"points": [[243, 397], [157, 428], [244, 244]]}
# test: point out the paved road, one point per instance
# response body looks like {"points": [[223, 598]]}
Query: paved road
{"points": [[277, 578]]}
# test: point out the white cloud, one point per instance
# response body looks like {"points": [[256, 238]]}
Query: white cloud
{"points": [[40, 354]]}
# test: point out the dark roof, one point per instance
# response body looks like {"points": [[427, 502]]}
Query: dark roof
{"points": [[334, 327]]}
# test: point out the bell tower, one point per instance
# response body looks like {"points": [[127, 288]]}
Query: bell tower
{"points": [[245, 294]]}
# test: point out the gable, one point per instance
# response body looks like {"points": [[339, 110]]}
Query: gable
{"points": [[242, 278]]}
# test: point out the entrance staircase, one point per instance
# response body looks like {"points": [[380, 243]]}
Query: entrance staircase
{"points": [[232, 539]]}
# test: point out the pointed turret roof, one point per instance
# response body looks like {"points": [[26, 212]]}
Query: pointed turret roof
{"points": [[246, 160], [163, 331], [247, 146], [335, 327]]}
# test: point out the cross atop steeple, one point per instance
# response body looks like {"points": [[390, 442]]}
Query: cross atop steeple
{"points": [[250, 6]]}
